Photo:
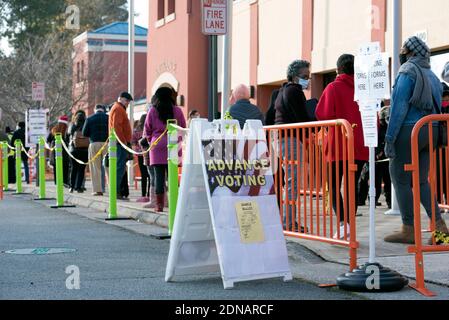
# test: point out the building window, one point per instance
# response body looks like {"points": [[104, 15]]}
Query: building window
{"points": [[78, 71], [171, 7], [160, 9], [82, 71]]}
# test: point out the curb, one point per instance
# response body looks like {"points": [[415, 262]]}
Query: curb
{"points": [[140, 215]]}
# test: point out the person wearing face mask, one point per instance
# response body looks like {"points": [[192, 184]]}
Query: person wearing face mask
{"points": [[337, 102], [417, 93], [290, 108]]}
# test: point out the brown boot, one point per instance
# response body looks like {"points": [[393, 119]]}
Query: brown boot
{"points": [[440, 227], [159, 203], [406, 236]]}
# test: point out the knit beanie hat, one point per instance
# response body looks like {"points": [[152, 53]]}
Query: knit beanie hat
{"points": [[418, 46]]}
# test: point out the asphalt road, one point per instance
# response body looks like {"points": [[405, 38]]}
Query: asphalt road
{"points": [[113, 263]]}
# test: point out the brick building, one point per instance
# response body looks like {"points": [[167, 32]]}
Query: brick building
{"points": [[269, 35], [100, 65]]}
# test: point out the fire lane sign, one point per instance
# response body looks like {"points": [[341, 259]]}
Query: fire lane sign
{"points": [[38, 91], [215, 17]]}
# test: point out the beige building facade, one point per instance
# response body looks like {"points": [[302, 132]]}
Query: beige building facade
{"points": [[269, 34]]}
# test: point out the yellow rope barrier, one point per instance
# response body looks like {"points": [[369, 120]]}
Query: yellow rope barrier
{"points": [[99, 153], [28, 155], [11, 148], [152, 146]]}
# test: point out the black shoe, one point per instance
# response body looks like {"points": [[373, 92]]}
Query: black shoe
{"points": [[378, 204], [71, 190], [80, 191]]}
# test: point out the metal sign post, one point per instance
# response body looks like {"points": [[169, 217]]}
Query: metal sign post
{"points": [[371, 87]]}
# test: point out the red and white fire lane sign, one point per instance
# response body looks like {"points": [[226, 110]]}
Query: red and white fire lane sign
{"points": [[38, 91], [215, 17]]}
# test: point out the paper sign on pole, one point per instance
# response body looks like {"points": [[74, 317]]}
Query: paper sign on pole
{"points": [[215, 17], [370, 124], [38, 91], [36, 126], [227, 216]]}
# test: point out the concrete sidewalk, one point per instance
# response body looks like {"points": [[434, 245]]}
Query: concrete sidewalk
{"points": [[333, 260], [125, 209]]}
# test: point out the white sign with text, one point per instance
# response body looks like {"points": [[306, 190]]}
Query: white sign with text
{"points": [[215, 17]]}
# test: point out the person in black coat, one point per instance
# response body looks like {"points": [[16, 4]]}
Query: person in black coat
{"points": [[19, 134], [77, 173]]}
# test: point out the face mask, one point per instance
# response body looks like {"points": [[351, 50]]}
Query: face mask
{"points": [[403, 58], [445, 104], [304, 83]]}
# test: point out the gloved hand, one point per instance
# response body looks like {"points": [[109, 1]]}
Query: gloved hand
{"points": [[390, 151]]}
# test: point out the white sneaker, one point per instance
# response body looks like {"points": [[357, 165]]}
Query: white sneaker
{"points": [[342, 232]]}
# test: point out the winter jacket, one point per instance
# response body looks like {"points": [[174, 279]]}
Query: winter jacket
{"points": [[96, 127], [404, 114], [337, 102], [290, 105], [154, 128], [118, 120], [243, 110], [19, 134]]}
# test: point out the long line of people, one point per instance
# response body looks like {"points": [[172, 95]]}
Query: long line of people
{"points": [[417, 93]]}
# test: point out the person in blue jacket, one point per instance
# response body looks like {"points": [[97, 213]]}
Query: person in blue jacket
{"points": [[416, 94]]}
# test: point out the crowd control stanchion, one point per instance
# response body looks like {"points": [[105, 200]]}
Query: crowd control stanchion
{"points": [[59, 175], [112, 176], [173, 181], [173, 187], [5, 152], [41, 171]]}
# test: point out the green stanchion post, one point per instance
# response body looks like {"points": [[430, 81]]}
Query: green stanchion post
{"points": [[5, 154], [18, 146], [173, 164], [59, 174], [112, 176], [42, 194]]}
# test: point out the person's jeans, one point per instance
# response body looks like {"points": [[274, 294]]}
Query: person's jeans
{"points": [[402, 180], [27, 170], [122, 156], [290, 153], [152, 176]]}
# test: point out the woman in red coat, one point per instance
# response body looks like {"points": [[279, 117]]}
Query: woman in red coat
{"points": [[337, 102]]}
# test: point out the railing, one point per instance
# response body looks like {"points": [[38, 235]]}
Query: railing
{"points": [[419, 249], [315, 161]]}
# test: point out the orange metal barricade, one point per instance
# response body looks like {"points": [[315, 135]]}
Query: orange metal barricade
{"points": [[419, 249], [302, 181]]}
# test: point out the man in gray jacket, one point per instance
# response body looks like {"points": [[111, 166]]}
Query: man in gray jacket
{"points": [[243, 110]]}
